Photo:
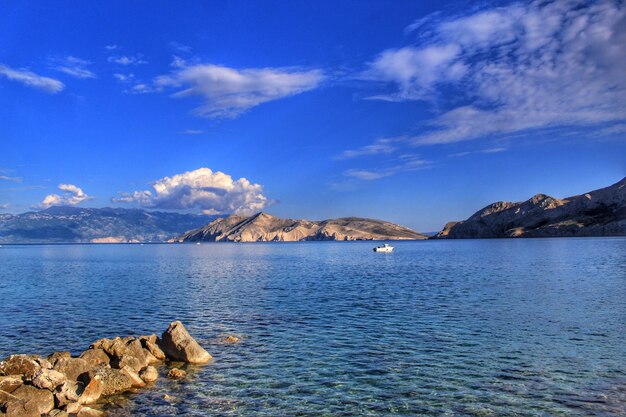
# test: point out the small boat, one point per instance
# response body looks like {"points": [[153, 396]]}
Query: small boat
{"points": [[384, 248]]}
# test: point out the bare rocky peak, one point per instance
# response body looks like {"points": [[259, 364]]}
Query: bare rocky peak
{"points": [[597, 213], [263, 227]]}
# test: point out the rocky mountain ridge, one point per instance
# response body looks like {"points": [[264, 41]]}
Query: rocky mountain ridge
{"points": [[263, 227], [95, 225], [600, 212]]}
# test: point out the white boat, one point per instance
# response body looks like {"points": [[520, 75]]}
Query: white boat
{"points": [[384, 248]]}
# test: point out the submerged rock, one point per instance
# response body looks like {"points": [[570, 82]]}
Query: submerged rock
{"points": [[149, 374], [176, 373], [178, 345]]}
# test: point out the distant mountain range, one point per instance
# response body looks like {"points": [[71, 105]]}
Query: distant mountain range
{"points": [[263, 227], [95, 225], [597, 213]]}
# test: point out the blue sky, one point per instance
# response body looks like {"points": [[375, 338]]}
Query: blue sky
{"points": [[414, 112]]}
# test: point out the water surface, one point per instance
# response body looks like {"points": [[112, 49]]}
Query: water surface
{"points": [[533, 327]]}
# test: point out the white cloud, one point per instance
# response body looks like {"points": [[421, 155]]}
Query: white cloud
{"points": [[73, 195], [49, 85], [127, 59], [73, 66], [192, 132], [212, 192], [381, 146], [110, 47], [517, 68], [7, 178], [124, 78], [228, 92], [4, 206], [481, 151], [405, 163]]}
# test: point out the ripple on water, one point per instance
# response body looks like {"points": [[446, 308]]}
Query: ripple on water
{"points": [[468, 328]]}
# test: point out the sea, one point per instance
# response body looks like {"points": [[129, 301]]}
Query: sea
{"points": [[503, 327]]}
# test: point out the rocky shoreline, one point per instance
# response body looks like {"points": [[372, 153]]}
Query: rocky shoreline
{"points": [[61, 385]]}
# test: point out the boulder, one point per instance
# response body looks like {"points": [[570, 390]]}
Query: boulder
{"points": [[95, 357], [73, 408], [151, 346], [10, 383], [178, 345], [6, 398], [149, 374], [136, 381], [52, 358], [67, 393], [22, 409], [176, 373], [92, 391], [48, 379], [41, 400], [71, 367], [113, 380], [20, 365], [90, 412], [58, 413]]}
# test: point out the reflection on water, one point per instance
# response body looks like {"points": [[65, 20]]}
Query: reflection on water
{"points": [[460, 328]]}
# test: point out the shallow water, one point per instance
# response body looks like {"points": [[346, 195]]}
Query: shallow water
{"points": [[532, 327]]}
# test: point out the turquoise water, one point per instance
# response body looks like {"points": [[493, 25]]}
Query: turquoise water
{"points": [[438, 328]]}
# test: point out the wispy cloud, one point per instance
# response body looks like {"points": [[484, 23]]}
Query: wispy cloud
{"points": [[616, 129], [228, 92], [7, 178], [192, 132], [110, 47], [405, 163], [30, 79], [124, 78], [73, 66], [213, 192], [381, 146], [481, 151], [72, 196], [4, 206], [521, 67], [127, 60]]}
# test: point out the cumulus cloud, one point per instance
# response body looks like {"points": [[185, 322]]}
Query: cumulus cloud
{"points": [[73, 66], [211, 191], [30, 79], [521, 67], [72, 196], [228, 92]]}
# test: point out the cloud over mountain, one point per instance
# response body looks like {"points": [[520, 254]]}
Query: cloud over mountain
{"points": [[73, 195], [213, 192]]}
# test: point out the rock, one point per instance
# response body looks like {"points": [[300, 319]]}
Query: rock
{"points": [[95, 357], [52, 358], [6, 398], [154, 350], [40, 399], [113, 380], [149, 374], [20, 365], [178, 345], [90, 412], [58, 413], [136, 381], [176, 373], [231, 339], [68, 393], [71, 367], [10, 383], [123, 351], [48, 379], [92, 391], [73, 408], [22, 409]]}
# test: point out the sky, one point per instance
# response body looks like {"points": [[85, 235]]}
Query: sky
{"points": [[416, 112]]}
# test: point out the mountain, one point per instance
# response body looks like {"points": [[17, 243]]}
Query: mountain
{"points": [[95, 225], [263, 227], [597, 213]]}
